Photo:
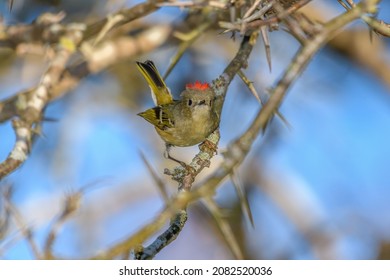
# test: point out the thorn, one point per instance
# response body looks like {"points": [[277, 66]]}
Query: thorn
{"points": [[249, 84], [48, 119], [242, 196], [371, 34], [284, 120], [267, 46], [10, 4], [224, 226]]}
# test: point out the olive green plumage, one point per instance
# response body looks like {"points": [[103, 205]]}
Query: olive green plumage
{"points": [[184, 122]]}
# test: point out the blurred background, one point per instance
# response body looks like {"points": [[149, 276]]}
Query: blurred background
{"points": [[318, 189]]}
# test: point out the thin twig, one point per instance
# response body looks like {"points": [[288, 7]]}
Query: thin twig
{"points": [[26, 230], [5, 214], [71, 205], [187, 41]]}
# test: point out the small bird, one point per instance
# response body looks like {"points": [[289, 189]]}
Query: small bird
{"points": [[185, 122]]}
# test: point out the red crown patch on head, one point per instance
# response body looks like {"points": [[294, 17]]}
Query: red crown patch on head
{"points": [[198, 85]]}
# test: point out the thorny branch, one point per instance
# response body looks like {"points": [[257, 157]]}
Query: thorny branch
{"points": [[186, 176], [29, 105], [379, 26], [38, 98], [26, 109], [253, 24], [239, 148]]}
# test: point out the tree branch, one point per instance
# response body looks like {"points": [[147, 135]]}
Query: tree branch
{"points": [[239, 148], [184, 176]]}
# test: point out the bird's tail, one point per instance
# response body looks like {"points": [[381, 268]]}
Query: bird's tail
{"points": [[160, 92]]}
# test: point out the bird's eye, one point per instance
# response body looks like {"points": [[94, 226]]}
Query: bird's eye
{"points": [[189, 102]]}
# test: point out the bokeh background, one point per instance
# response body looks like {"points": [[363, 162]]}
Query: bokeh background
{"points": [[318, 188]]}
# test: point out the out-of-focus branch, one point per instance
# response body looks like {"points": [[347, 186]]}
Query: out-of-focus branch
{"points": [[355, 44], [110, 52], [47, 29], [32, 109], [239, 148], [71, 205], [10, 4], [188, 39], [224, 226], [123, 17], [298, 203], [5, 214], [21, 149], [97, 59], [59, 79], [24, 228], [384, 251], [378, 26]]}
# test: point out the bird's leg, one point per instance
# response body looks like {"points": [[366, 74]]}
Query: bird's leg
{"points": [[168, 156]]}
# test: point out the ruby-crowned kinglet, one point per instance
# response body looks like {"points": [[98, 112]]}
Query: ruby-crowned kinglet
{"points": [[184, 122]]}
